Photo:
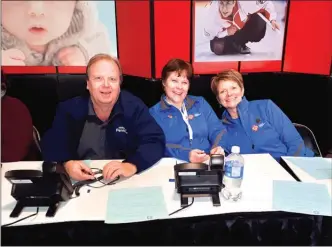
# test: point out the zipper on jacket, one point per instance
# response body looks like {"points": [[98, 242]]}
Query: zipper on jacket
{"points": [[252, 144]]}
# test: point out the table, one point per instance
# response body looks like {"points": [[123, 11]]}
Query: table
{"points": [[249, 221], [303, 176]]}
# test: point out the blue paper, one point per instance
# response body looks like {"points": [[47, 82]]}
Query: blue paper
{"points": [[299, 197], [317, 167], [135, 204]]}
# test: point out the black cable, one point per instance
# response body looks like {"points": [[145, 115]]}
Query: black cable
{"points": [[104, 184], [192, 202], [88, 183], [29, 216]]}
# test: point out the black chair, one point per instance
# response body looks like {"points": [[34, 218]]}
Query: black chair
{"points": [[308, 138]]}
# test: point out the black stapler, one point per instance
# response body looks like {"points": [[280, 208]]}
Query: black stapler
{"points": [[199, 179]]}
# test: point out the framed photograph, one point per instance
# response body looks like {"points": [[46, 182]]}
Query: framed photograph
{"points": [[238, 30], [56, 33]]}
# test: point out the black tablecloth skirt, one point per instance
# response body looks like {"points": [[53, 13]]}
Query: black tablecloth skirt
{"points": [[265, 228]]}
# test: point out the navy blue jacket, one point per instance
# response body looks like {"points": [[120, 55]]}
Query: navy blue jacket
{"points": [[142, 145], [208, 131], [262, 127]]}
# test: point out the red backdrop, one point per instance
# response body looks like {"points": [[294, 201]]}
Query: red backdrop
{"points": [[309, 37], [308, 42]]}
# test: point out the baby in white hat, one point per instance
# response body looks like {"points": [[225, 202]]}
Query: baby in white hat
{"points": [[50, 33]]}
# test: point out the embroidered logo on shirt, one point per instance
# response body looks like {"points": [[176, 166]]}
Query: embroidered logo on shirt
{"points": [[121, 129], [254, 127], [169, 116], [192, 116]]}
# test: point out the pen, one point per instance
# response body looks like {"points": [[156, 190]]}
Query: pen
{"points": [[171, 180]]}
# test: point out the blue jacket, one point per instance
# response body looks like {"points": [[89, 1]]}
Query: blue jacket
{"points": [[208, 130], [142, 145], [262, 127]]}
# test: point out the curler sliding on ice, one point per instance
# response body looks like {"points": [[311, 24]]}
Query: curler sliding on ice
{"points": [[230, 25]]}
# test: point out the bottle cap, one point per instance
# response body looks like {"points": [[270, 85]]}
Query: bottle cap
{"points": [[235, 149]]}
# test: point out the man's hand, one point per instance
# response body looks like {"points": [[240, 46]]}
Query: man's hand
{"points": [[231, 30], [77, 170], [217, 150], [13, 57], [198, 156], [275, 25], [71, 56], [115, 168]]}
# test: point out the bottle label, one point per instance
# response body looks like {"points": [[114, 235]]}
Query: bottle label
{"points": [[233, 169]]}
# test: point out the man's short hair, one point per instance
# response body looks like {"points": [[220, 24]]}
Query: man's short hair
{"points": [[101, 56]]}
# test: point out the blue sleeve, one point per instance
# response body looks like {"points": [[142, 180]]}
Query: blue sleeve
{"points": [[177, 151], [217, 131], [171, 149], [287, 132], [55, 144], [150, 137]]}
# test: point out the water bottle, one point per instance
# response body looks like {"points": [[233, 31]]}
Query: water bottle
{"points": [[233, 176]]}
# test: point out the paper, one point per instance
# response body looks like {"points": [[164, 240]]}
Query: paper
{"points": [[135, 204], [317, 167], [299, 197]]}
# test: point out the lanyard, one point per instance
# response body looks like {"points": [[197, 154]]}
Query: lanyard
{"points": [[184, 114]]}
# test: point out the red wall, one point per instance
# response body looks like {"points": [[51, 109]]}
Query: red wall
{"points": [[28, 69], [308, 44], [309, 37], [133, 31], [172, 32]]}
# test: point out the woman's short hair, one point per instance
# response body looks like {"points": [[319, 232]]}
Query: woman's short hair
{"points": [[176, 65], [226, 75]]}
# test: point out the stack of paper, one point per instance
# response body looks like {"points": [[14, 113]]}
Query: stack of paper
{"points": [[316, 167], [300, 197], [135, 204]]}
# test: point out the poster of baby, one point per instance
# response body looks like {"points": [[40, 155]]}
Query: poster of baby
{"points": [[56, 33]]}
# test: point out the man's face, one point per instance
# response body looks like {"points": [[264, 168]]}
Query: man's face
{"points": [[104, 82], [226, 8], [37, 22]]}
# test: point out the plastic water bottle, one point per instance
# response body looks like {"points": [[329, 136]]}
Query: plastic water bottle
{"points": [[233, 176]]}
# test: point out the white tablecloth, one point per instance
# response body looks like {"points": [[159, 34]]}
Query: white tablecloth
{"points": [[259, 172]]}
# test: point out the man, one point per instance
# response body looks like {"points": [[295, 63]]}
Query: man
{"points": [[109, 124], [232, 24]]}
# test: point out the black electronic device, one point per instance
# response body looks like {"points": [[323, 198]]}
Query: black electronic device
{"points": [[34, 188], [199, 179]]}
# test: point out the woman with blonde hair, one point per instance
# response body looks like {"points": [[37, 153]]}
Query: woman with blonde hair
{"points": [[258, 126]]}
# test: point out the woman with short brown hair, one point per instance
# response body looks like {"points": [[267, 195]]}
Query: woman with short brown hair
{"points": [[257, 126], [191, 127]]}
